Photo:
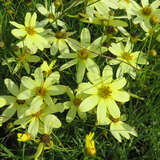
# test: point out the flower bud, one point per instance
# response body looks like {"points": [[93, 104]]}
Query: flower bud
{"points": [[23, 137], [90, 144]]}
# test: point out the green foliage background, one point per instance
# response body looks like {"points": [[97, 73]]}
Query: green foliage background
{"points": [[69, 140]]}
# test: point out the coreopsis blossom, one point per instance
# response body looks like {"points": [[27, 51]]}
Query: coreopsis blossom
{"points": [[24, 56], [103, 92], [13, 102], [90, 144], [128, 61], [73, 105], [39, 117], [119, 128], [105, 20], [94, 5], [41, 89], [59, 42], [50, 14], [30, 33], [45, 142], [149, 14], [84, 53]]}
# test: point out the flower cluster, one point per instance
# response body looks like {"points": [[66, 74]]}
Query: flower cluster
{"points": [[34, 100]]}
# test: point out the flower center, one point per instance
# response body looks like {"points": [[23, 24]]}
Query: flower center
{"points": [[126, 56], [104, 21], [111, 30], [104, 91], [30, 30], [128, 1], [51, 16], [114, 119], [146, 11], [18, 101], [41, 91], [21, 57], [83, 53], [61, 35], [77, 102], [45, 138], [37, 114]]}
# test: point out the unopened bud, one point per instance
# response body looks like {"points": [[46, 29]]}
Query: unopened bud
{"points": [[153, 52]]}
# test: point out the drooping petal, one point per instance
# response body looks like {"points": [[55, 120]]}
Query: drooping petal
{"points": [[88, 103], [82, 115], [71, 114], [63, 48], [36, 104], [92, 66], [33, 127], [50, 122], [114, 130], [101, 112], [80, 71], [112, 107], [12, 87]]}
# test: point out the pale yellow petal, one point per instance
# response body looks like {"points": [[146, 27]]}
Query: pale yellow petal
{"points": [[113, 108], [20, 26], [120, 96], [27, 19], [101, 112], [33, 20], [89, 103], [18, 33], [118, 83]]}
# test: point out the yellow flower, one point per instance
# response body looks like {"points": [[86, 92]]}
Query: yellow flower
{"points": [[45, 143], [23, 137], [30, 32], [103, 92], [119, 128], [47, 68], [90, 144]]}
